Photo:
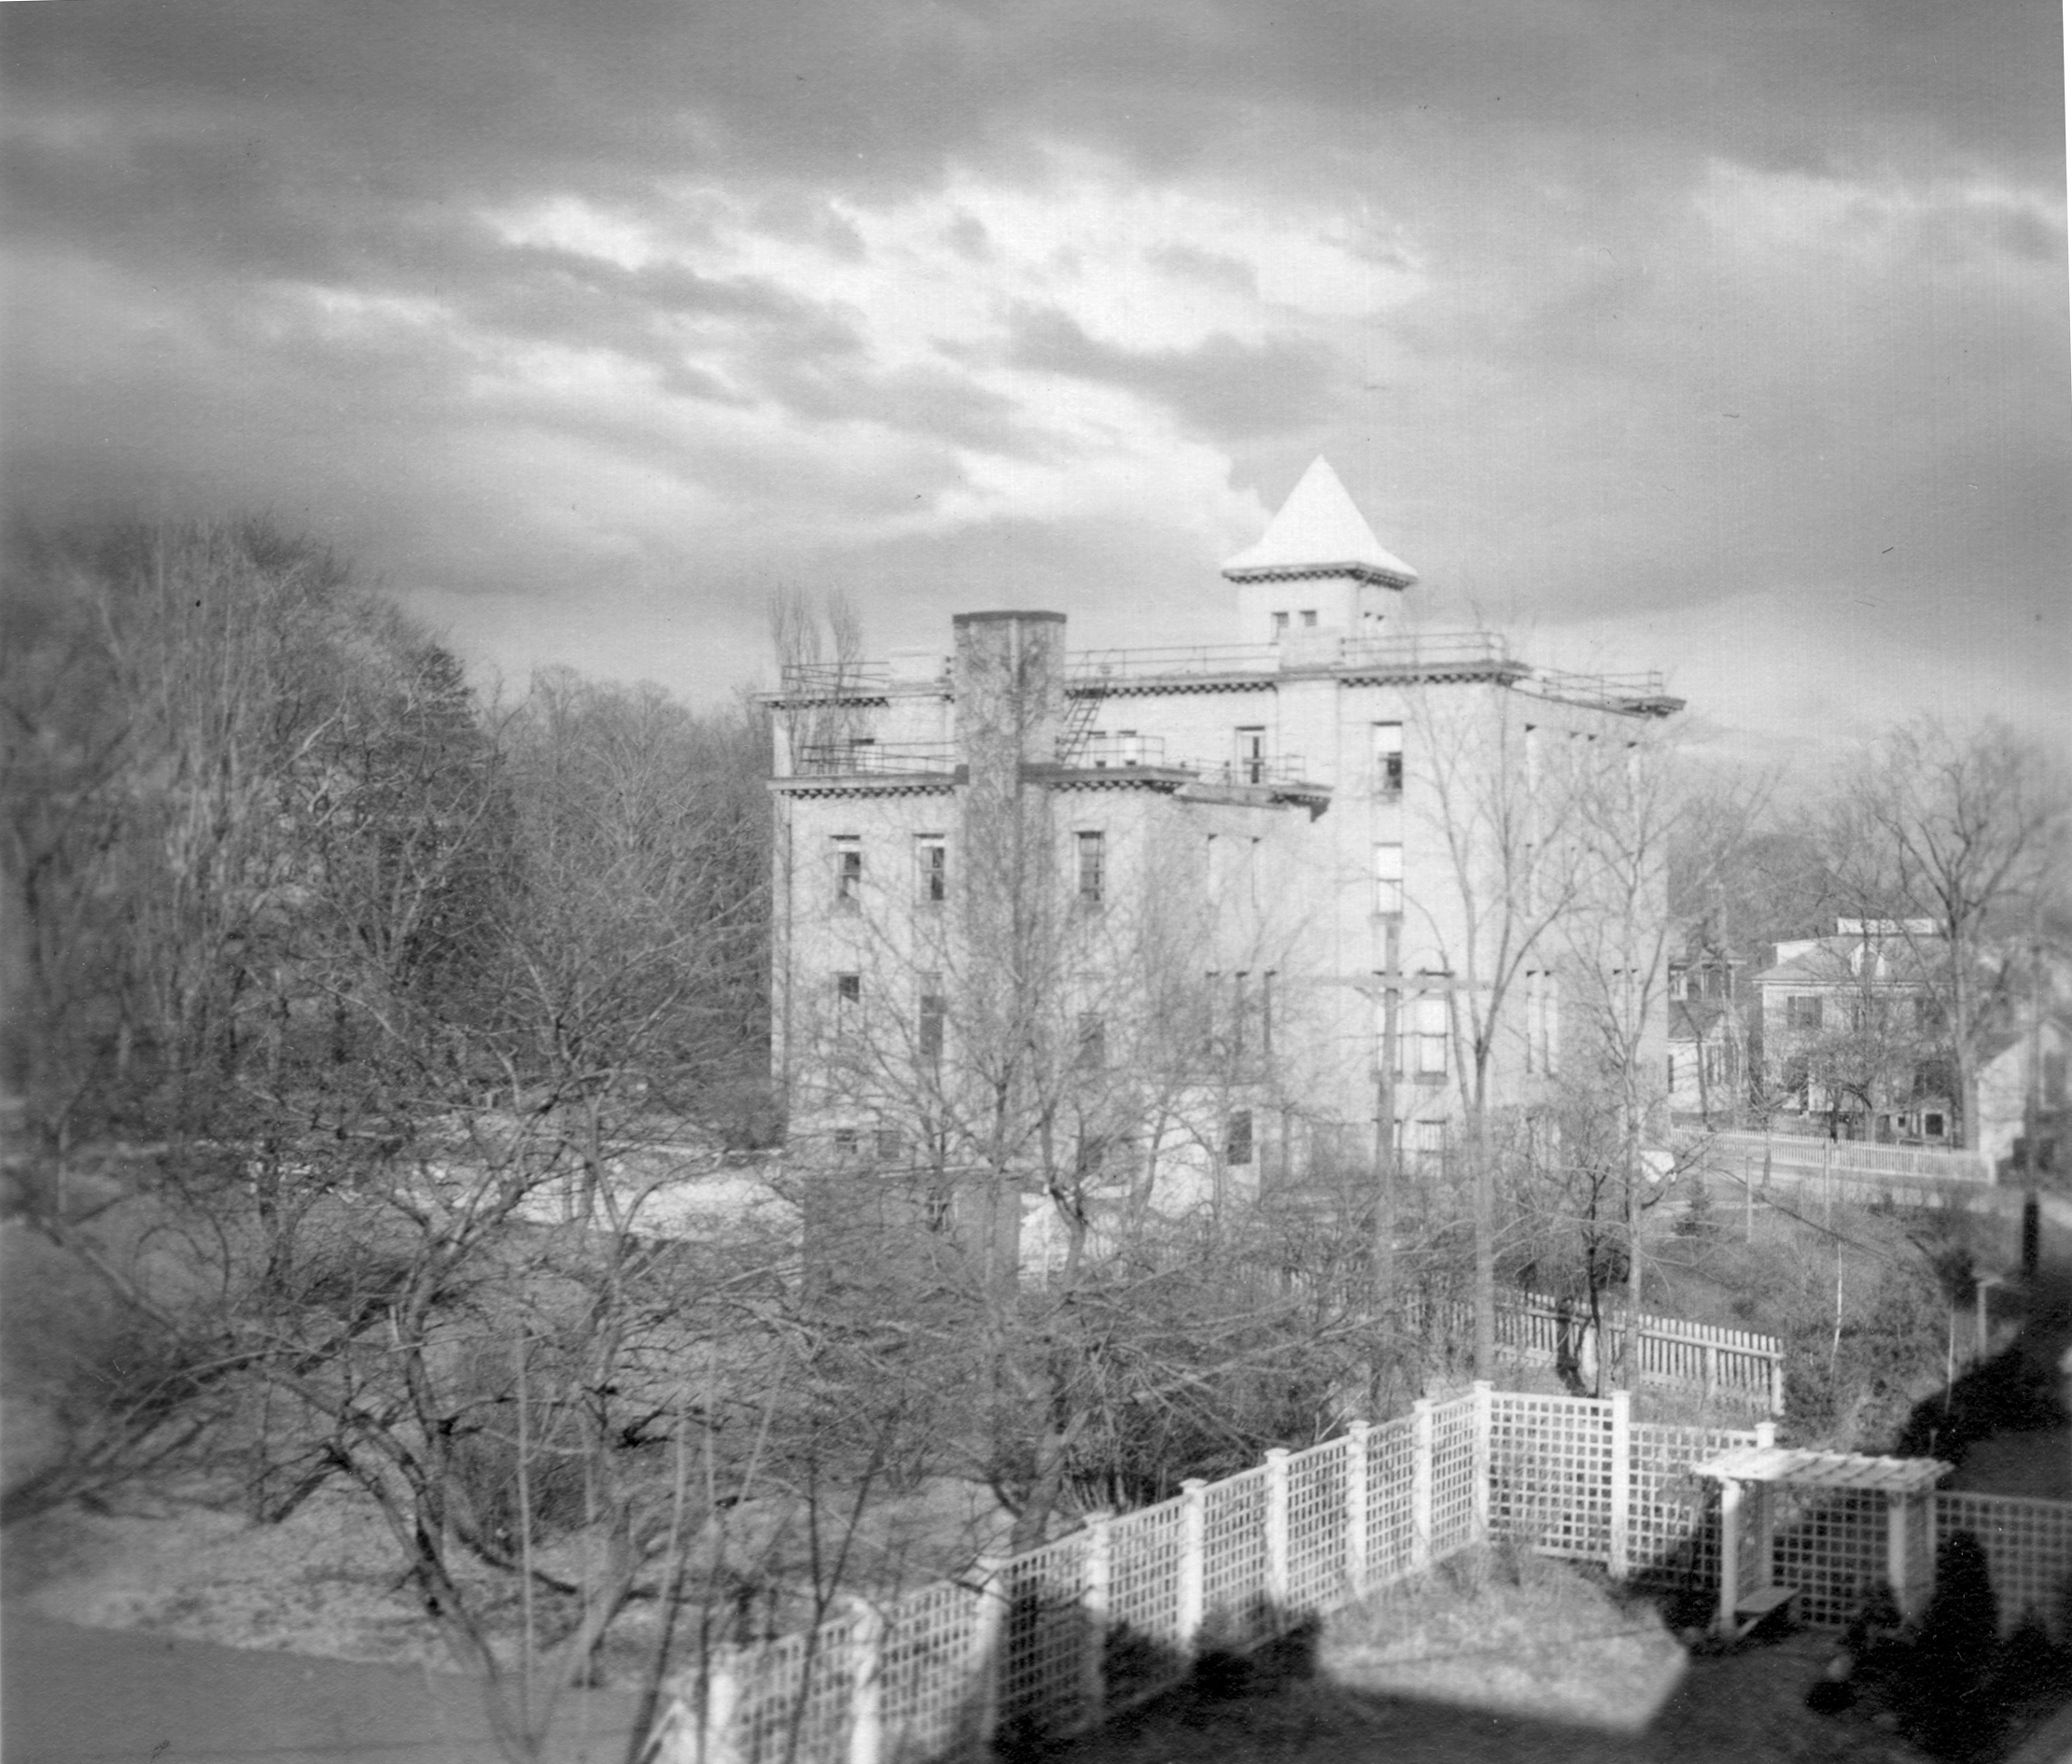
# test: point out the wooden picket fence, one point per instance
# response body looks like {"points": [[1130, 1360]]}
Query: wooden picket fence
{"points": [[1535, 1329]]}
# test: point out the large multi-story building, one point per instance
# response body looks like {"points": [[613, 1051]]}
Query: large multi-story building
{"points": [[1230, 909]]}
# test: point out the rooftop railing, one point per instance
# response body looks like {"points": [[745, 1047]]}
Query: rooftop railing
{"points": [[1410, 655], [874, 759]]}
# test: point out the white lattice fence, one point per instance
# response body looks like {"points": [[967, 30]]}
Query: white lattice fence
{"points": [[1550, 1474], [1316, 1523], [1672, 1517], [1457, 1485], [2028, 1547], [1831, 1545], [1391, 1505]]}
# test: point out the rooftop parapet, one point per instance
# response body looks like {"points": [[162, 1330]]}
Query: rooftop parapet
{"points": [[1440, 655]]}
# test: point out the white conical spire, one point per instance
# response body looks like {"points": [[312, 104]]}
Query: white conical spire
{"points": [[1319, 532]]}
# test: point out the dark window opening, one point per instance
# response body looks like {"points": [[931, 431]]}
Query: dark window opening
{"points": [[1093, 868], [1236, 1147]]}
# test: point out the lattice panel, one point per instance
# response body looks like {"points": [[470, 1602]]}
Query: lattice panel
{"points": [[1453, 1475], [2028, 1547], [931, 1684], [1389, 1512], [1143, 1648], [1550, 1474], [1045, 1638], [1233, 1557], [1831, 1544], [1317, 1527], [1672, 1517], [805, 1682]]}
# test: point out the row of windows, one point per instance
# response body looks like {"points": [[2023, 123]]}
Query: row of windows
{"points": [[931, 869], [1095, 1152], [1808, 1012]]}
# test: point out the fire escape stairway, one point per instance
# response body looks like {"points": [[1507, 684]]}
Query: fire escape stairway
{"points": [[1082, 708]]}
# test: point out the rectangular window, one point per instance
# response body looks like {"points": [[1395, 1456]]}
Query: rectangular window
{"points": [[848, 1003], [1388, 880], [891, 1145], [933, 853], [1280, 624], [1251, 755], [1802, 1012], [849, 872], [1237, 1143], [1093, 868], [846, 1143], [935, 1016], [1388, 759], [1309, 619], [1093, 1042], [1428, 1030], [1430, 1143]]}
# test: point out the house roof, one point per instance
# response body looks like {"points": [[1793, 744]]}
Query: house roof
{"points": [[1319, 532], [1829, 964]]}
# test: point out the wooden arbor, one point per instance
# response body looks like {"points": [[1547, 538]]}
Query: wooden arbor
{"points": [[1749, 1478]]}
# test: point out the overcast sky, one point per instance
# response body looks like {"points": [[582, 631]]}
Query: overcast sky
{"points": [[1728, 338]]}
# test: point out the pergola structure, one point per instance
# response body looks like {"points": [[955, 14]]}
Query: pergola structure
{"points": [[1749, 1478]]}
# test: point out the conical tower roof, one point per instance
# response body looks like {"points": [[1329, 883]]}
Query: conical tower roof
{"points": [[1319, 532]]}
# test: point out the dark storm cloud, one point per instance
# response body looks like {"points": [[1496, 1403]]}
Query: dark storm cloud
{"points": [[1221, 387]]}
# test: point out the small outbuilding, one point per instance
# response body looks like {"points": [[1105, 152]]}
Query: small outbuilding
{"points": [[1750, 1477]]}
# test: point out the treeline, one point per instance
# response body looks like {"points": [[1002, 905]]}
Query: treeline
{"points": [[280, 875]]}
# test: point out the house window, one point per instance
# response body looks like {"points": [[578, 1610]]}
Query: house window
{"points": [[1428, 1034], [1309, 619], [937, 1209], [1802, 1012], [891, 1145], [1542, 1021], [1430, 1140], [1251, 755], [1388, 759], [848, 873], [934, 1016], [846, 1143], [1237, 1143], [1093, 1042], [1093, 868], [933, 853], [1280, 624], [1388, 880], [1931, 1125], [848, 1003]]}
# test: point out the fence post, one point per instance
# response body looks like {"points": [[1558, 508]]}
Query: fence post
{"points": [[1622, 1482], [1777, 1385], [988, 1632], [866, 1685], [1766, 1433], [1712, 1371], [1480, 1485], [1356, 1506], [1192, 1533], [1895, 1550], [1277, 1528], [1421, 1483], [1093, 1602]]}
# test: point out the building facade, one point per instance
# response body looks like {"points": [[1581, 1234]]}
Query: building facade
{"points": [[1853, 1031], [1192, 919]]}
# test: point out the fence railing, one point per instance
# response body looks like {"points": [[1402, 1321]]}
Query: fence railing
{"points": [[1801, 1152], [1535, 1329], [1060, 1637]]}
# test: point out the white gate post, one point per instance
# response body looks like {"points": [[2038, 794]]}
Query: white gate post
{"points": [[1356, 1507], [1193, 1531], [866, 1685], [1480, 1489], [1618, 1562], [1277, 1528], [1093, 1603], [1421, 1483], [1730, 1554], [988, 1632]]}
